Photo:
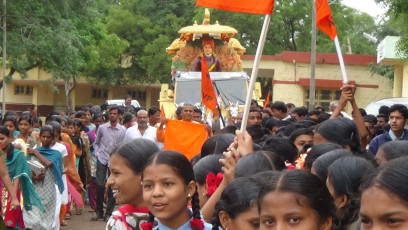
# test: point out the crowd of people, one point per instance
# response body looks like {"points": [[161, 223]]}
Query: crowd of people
{"points": [[291, 169]]}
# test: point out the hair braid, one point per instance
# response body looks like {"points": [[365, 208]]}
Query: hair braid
{"points": [[215, 221], [196, 205]]}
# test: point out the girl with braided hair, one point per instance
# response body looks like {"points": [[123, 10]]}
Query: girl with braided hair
{"points": [[168, 185], [343, 181], [237, 208]]}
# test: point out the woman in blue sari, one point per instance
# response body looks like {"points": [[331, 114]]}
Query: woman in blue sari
{"points": [[45, 183]]}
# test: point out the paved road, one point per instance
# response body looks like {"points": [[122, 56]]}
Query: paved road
{"points": [[78, 222]]}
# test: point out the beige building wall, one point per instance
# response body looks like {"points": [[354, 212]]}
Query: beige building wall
{"points": [[290, 72]]}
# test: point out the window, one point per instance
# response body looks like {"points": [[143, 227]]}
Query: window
{"points": [[323, 97], [137, 94], [23, 90], [132, 93], [141, 95], [99, 93]]}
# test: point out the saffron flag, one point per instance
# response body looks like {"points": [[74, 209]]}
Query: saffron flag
{"points": [[324, 19], [162, 113], [244, 6], [184, 137], [267, 99], [208, 96]]}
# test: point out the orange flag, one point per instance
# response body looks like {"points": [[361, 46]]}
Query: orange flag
{"points": [[162, 113], [184, 137], [244, 6], [208, 96], [267, 99], [324, 19]]}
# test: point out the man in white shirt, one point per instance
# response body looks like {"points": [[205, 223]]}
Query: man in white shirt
{"points": [[142, 129]]}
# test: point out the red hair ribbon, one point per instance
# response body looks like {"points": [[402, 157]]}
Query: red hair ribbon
{"points": [[196, 224], [147, 226], [213, 182]]}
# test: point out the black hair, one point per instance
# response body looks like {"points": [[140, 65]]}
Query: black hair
{"points": [[285, 149], [217, 144], [345, 175], [10, 113], [25, 118], [256, 132], [128, 96], [208, 164], [384, 110], [271, 122], [36, 120], [266, 111], [386, 118], [279, 105], [323, 117], [70, 122], [13, 120], [115, 107], [78, 122], [394, 149], [298, 132], [6, 132], [342, 131], [391, 177], [127, 117], [79, 114], [317, 150], [56, 118], [254, 102], [305, 184], [179, 110], [97, 115], [314, 112], [253, 163], [57, 127], [197, 110], [136, 152], [47, 128], [182, 167], [277, 162], [321, 165], [300, 111], [370, 118], [227, 129], [239, 196], [400, 108], [152, 110]]}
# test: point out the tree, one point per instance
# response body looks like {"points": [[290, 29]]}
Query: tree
{"points": [[67, 38], [149, 27], [398, 16]]}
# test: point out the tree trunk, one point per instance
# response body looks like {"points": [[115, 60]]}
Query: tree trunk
{"points": [[69, 86]]}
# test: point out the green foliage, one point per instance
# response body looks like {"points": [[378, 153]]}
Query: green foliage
{"points": [[68, 38], [398, 19], [149, 27]]}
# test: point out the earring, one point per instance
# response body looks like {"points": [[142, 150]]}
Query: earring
{"points": [[189, 195], [203, 193]]}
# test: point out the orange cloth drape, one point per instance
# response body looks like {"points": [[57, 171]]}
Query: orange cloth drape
{"points": [[208, 96], [324, 19], [245, 6], [184, 137]]}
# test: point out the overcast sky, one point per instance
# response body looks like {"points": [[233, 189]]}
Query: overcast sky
{"points": [[367, 6]]}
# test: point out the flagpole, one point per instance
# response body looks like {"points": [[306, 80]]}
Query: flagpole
{"points": [[339, 54], [254, 73]]}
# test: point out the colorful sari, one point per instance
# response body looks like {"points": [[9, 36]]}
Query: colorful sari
{"points": [[36, 219], [18, 169]]}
